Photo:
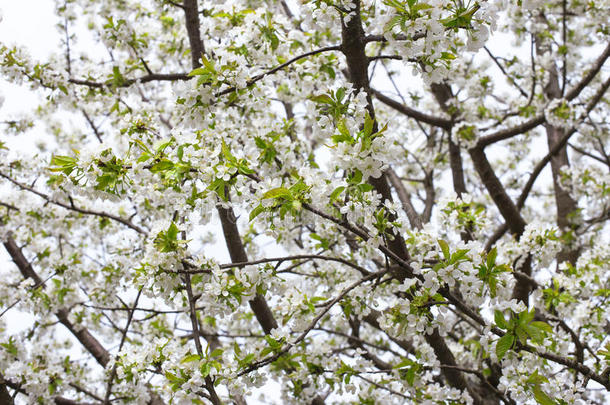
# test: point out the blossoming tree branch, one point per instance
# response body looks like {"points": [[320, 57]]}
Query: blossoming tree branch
{"points": [[316, 202]]}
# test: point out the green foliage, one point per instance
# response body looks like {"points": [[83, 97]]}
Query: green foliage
{"points": [[467, 132], [284, 200], [237, 166], [267, 147], [364, 137], [355, 188], [408, 370], [63, 164], [273, 345], [534, 384], [167, 241], [114, 174], [461, 15], [468, 214], [406, 11], [206, 74], [448, 257], [243, 359], [345, 372], [333, 104], [605, 352], [10, 346], [555, 295], [489, 271], [520, 328], [268, 32], [112, 171]]}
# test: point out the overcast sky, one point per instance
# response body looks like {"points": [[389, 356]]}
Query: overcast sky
{"points": [[26, 23]]}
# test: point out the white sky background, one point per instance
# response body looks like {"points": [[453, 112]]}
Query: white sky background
{"points": [[25, 23], [29, 24]]}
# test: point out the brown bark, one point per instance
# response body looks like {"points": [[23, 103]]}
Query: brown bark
{"points": [[403, 196], [442, 93], [496, 190], [508, 210], [566, 206], [539, 119], [457, 168], [238, 255], [5, 396], [191, 14]]}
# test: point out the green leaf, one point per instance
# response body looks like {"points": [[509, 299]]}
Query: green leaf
{"points": [[536, 379], [189, 358], [445, 248], [256, 211], [365, 187], [541, 397], [172, 377], [226, 152], [117, 77], [197, 72], [105, 182], [205, 369], [162, 166], [10, 346], [209, 65], [344, 135], [167, 241], [64, 164], [543, 326], [336, 193], [260, 142], [504, 344], [160, 146], [324, 243], [218, 186], [526, 317], [499, 320], [368, 124], [522, 334], [340, 94], [491, 258], [410, 376], [143, 146], [355, 177], [459, 255], [421, 6], [322, 99], [278, 192], [172, 232]]}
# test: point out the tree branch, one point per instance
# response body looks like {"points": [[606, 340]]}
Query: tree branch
{"points": [[157, 77], [403, 196], [412, 113], [90, 343], [539, 119], [72, 207]]}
